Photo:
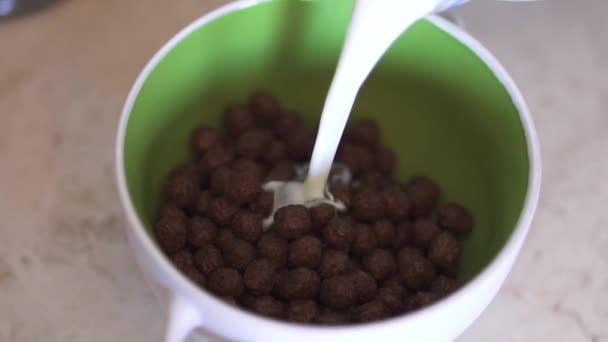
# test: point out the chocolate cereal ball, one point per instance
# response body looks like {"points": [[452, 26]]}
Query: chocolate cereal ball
{"points": [[445, 250], [223, 237], [247, 226], [221, 211], [299, 283], [286, 124], [265, 106], [300, 144], [415, 270], [274, 248], [283, 171], [269, 306], [397, 204], [443, 285], [365, 286], [305, 252], [237, 120], [220, 178], [243, 189], [203, 138], [238, 253], [392, 295], [252, 143], [456, 218], [183, 187], [338, 233], [403, 234], [303, 310], [420, 300], [364, 131], [208, 258], [423, 194], [371, 311], [338, 292], [342, 194], [263, 203], [201, 231], [385, 160], [218, 155], [248, 166], [424, 231], [171, 230], [322, 214], [329, 316], [259, 277], [333, 263], [385, 232], [292, 221], [365, 240], [196, 276], [275, 151], [226, 282], [380, 264], [182, 260], [367, 205]]}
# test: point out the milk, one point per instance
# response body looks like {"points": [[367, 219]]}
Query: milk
{"points": [[374, 26]]}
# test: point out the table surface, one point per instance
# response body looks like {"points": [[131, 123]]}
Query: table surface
{"points": [[66, 272]]}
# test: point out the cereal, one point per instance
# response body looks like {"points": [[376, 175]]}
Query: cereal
{"points": [[226, 282], [321, 215], [259, 277], [305, 252], [364, 131], [385, 232], [243, 189], [247, 226], [303, 310], [338, 233], [334, 262], [338, 292], [424, 231], [220, 178], [201, 231], [292, 221], [456, 218], [203, 138], [238, 253], [365, 240], [263, 203], [299, 283], [416, 271], [423, 194], [371, 311], [208, 258], [365, 286], [397, 204], [264, 106], [445, 250], [237, 120], [252, 143], [273, 247], [367, 205], [269, 306], [380, 264], [221, 211], [171, 231]]}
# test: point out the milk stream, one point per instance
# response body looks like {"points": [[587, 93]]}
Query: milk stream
{"points": [[374, 26]]}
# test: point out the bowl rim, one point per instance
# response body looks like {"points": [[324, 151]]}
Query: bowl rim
{"points": [[189, 290]]}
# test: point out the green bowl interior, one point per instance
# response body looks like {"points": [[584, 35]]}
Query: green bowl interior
{"points": [[438, 105]]}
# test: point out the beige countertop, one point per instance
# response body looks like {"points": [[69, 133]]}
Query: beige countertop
{"points": [[66, 272]]}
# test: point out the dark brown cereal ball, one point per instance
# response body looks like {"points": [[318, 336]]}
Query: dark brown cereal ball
{"points": [[252, 143], [203, 202], [385, 232], [367, 205], [299, 283], [230, 300], [456, 218], [183, 187], [333, 263], [247, 300], [451, 271], [265, 106], [208, 258], [342, 194], [357, 158], [423, 194], [443, 285], [220, 178], [269, 306], [170, 211], [201, 231], [364, 131], [371, 311], [420, 299], [372, 180], [222, 211], [302, 310], [171, 232], [300, 144], [196, 276], [415, 270], [365, 286], [365, 240], [397, 204], [237, 120], [259, 277], [223, 237], [263, 203], [365, 158], [305, 251], [238, 253], [243, 189], [247, 226], [338, 233], [182, 259], [292, 221], [275, 151], [392, 295], [403, 234], [283, 171], [286, 124], [384, 159], [338, 292], [226, 281], [424, 231], [218, 155], [203, 138], [380, 264], [445, 250], [329, 316], [274, 248], [322, 214], [248, 166]]}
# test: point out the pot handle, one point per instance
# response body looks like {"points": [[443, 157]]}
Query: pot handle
{"points": [[183, 319]]}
